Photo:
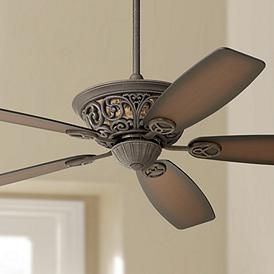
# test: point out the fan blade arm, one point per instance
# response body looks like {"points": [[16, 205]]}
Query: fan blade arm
{"points": [[174, 195], [49, 167], [205, 88], [176, 148], [29, 120], [251, 149]]}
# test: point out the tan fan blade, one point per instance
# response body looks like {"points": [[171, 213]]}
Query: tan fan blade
{"points": [[40, 122], [177, 198], [49, 167], [206, 87], [254, 149]]}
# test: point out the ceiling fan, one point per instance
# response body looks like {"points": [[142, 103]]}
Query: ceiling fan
{"points": [[137, 118]]}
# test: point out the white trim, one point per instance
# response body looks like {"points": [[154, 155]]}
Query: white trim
{"points": [[69, 220]]}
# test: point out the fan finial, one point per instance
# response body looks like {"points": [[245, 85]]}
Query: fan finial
{"points": [[137, 154]]}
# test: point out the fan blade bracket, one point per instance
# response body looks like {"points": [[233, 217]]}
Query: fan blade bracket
{"points": [[86, 159], [177, 148], [80, 161], [162, 126], [83, 134], [158, 169], [204, 150], [88, 135], [163, 129]]}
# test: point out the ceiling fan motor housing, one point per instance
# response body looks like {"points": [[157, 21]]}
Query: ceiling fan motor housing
{"points": [[116, 110]]}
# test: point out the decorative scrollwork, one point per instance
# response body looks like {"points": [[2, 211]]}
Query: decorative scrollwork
{"points": [[119, 113], [205, 150], [122, 125], [122, 113], [156, 170], [95, 117]]}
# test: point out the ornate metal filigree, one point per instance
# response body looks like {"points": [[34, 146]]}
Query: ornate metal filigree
{"points": [[162, 126], [116, 111], [205, 150], [116, 115], [156, 170]]}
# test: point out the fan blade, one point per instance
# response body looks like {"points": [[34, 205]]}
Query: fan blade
{"points": [[176, 197], [49, 167], [253, 149], [39, 122], [206, 87]]}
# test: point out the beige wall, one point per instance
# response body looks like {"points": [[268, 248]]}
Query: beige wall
{"points": [[53, 49], [251, 188]]}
